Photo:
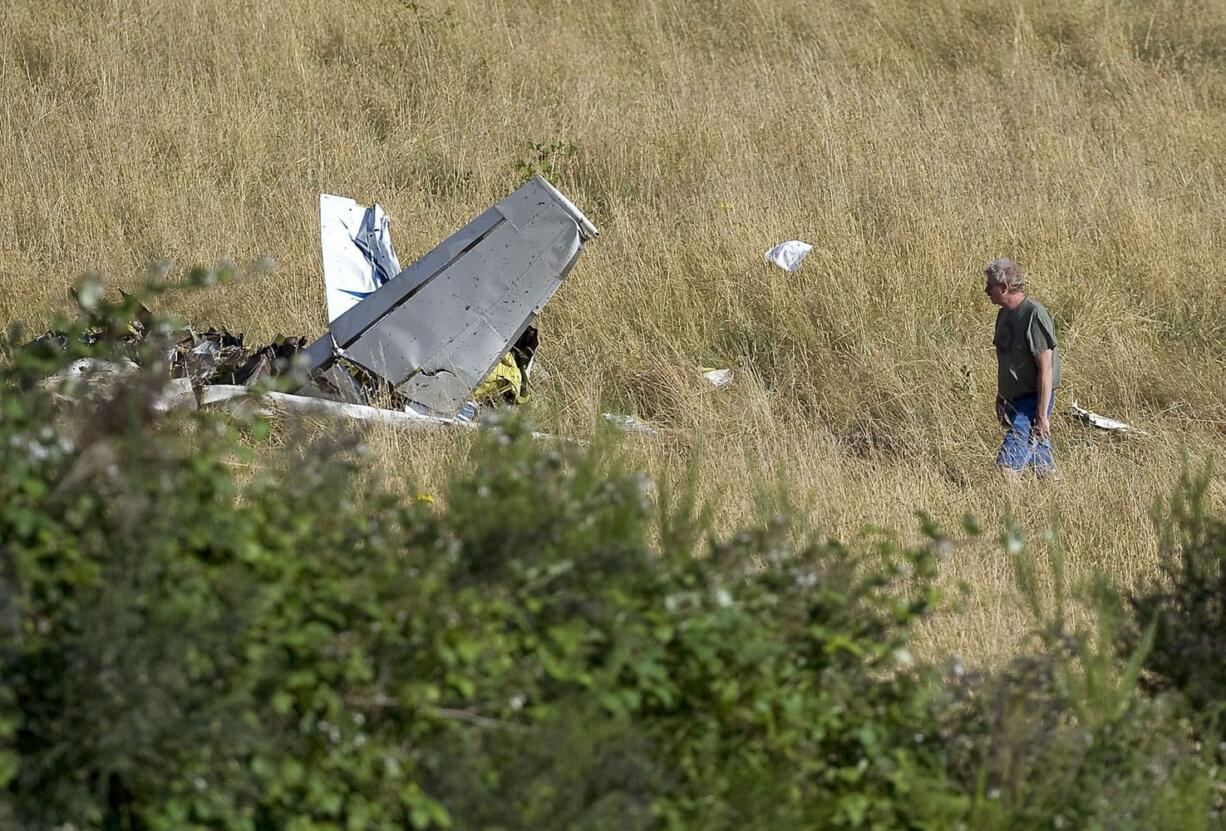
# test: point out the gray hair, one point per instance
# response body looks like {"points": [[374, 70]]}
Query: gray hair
{"points": [[1005, 272]]}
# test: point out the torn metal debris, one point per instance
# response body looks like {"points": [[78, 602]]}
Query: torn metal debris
{"points": [[630, 424], [435, 331], [1102, 422], [421, 340], [219, 357], [215, 356], [233, 397]]}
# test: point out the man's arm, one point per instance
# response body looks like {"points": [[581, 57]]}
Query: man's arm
{"points": [[1041, 422]]}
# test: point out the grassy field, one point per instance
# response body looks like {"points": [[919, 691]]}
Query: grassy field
{"points": [[908, 142]]}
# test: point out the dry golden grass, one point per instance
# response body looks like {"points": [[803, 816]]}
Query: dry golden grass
{"points": [[909, 142]]}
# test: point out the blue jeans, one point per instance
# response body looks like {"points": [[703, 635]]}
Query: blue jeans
{"points": [[1023, 448]]}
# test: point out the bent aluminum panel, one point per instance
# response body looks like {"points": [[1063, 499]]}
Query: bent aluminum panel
{"points": [[437, 329], [349, 326], [398, 344], [319, 354], [470, 354], [585, 225]]}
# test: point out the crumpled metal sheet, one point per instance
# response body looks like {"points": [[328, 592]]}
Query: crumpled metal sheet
{"points": [[215, 356], [422, 339], [435, 331]]}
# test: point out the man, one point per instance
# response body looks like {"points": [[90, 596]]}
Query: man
{"points": [[1027, 373]]}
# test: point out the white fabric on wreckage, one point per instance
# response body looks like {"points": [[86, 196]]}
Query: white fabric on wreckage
{"points": [[358, 257]]}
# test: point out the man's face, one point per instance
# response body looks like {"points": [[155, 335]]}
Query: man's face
{"points": [[995, 292]]}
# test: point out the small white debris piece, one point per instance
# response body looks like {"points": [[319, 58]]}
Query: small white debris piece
{"points": [[1102, 422], [630, 424], [788, 255], [468, 412], [718, 377]]}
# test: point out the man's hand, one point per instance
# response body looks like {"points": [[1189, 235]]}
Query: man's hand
{"points": [[1042, 426], [1001, 415]]}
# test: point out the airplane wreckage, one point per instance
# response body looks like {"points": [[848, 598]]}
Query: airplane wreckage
{"points": [[435, 330], [423, 341], [422, 346]]}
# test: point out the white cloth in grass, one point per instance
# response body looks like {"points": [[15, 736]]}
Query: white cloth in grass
{"points": [[788, 255]]}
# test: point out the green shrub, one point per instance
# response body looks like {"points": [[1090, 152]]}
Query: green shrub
{"points": [[1187, 606], [1064, 736], [295, 651], [185, 644]]}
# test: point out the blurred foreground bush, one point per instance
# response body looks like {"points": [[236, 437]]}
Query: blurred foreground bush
{"points": [[187, 645], [1188, 607]]}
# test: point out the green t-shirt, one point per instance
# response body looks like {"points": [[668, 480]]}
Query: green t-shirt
{"points": [[1020, 335]]}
